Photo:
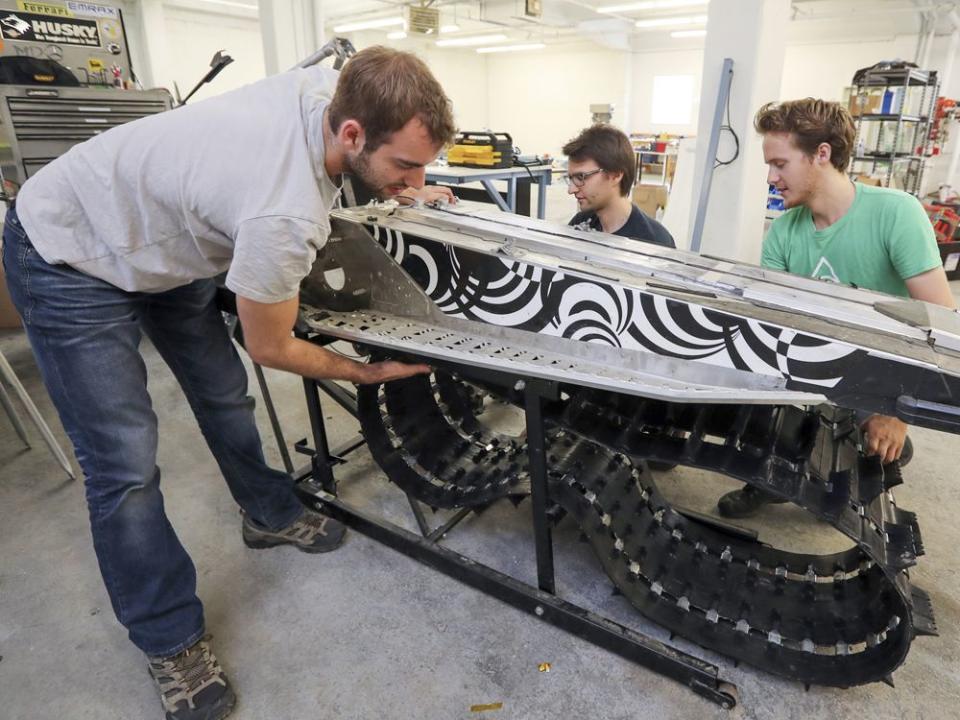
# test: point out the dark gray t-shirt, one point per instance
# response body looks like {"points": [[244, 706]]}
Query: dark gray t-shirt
{"points": [[637, 227]]}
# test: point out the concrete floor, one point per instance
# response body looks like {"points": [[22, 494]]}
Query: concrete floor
{"points": [[365, 633]]}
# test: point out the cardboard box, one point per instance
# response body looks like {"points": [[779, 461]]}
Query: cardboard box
{"points": [[869, 103], [8, 313], [650, 198], [867, 180]]}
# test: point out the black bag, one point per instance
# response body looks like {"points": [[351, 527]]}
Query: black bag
{"points": [[35, 71]]}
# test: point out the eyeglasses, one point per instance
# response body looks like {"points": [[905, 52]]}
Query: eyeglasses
{"points": [[579, 179]]}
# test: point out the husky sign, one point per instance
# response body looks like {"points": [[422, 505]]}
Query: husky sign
{"points": [[50, 29]]}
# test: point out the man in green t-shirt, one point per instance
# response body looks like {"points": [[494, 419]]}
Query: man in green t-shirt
{"points": [[869, 237]]}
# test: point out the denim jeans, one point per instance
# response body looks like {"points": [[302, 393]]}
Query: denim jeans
{"points": [[85, 334]]}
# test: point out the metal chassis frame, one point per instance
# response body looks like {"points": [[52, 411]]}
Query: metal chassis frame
{"points": [[317, 487]]}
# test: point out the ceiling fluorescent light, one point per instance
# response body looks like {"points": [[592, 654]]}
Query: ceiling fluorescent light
{"points": [[449, 29], [511, 48], [688, 33], [474, 40], [228, 3], [650, 5], [665, 22], [398, 35], [370, 24]]}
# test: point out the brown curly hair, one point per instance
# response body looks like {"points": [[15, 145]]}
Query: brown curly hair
{"points": [[811, 122]]}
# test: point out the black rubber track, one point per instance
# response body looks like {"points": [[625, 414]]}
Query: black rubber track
{"points": [[842, 619]]}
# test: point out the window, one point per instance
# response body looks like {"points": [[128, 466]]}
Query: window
{"points": [[672, 100]]}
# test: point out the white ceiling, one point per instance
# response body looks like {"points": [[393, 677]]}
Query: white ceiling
{"points": [[565, 22]]}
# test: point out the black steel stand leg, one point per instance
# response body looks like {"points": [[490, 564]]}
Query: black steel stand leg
{"points": [[698, 675], [321, 460], [438, 532], [538, 490], [418, 515], [274, 422]]}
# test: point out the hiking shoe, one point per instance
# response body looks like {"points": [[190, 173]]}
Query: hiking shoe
{"points": [[906, 455], [745, 502], [192, 684], [312, 532]]}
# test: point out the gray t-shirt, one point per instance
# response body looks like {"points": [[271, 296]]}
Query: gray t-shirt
{"points": [[236, 181]]}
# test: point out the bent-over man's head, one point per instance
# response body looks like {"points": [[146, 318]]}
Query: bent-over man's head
{"points": [[601, 166], [804, 142], [390, 117]]}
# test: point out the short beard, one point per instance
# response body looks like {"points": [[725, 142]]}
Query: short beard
{"points": [[359, 167]]}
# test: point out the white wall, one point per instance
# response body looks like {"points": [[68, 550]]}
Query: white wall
{"points": [[823, 70], [184, 38], [543, 97], [516, 85], [461, 72], [746, 32], [193, 38], [938, 58], [645, 67], [463, 75]]}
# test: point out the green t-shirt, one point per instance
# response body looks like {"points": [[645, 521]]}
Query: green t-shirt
{"points": [[884, 238]]}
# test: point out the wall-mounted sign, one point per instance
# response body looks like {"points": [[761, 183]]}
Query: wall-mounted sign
{"points": [[30, 27], [86, 9], [44, 8]]}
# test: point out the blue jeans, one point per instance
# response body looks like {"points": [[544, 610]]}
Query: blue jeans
{"points": [[85, 334]]}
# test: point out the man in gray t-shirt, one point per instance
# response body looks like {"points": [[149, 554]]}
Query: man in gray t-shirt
{"points": [[124, 234]]}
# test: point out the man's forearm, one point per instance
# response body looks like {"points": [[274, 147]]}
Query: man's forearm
{"points": [[304, 358]]}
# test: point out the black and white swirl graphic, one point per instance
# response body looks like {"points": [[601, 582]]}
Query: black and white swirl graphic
{"points": [[505, 292]]}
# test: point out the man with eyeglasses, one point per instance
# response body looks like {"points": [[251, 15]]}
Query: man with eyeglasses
{"points": [[600, 174]]}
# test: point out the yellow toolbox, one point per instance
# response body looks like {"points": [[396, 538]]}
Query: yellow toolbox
{"points": [[481, 150]]}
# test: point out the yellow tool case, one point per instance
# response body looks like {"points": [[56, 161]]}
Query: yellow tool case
{"points": [[481, 150]]}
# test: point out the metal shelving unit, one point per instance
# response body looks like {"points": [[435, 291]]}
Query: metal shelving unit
{"points": [[901, 139], [645, 148]]}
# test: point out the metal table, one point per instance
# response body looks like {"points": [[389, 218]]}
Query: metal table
{"points": [[518, 181]]}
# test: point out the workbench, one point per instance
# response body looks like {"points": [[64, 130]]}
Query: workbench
{"points": [[518, 179]]}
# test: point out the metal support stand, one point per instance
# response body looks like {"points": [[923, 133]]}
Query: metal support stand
{"points": [[698, 675], [534, 392], [14, 417], [322, 461], [227, 304], [7, 374], [348, 401], [542, 602], [726, 78], [441, 531], [508, 205], [274, 422]]}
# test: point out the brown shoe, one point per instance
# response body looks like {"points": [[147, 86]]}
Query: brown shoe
{"points": [[192, 684], [312, 532]]}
